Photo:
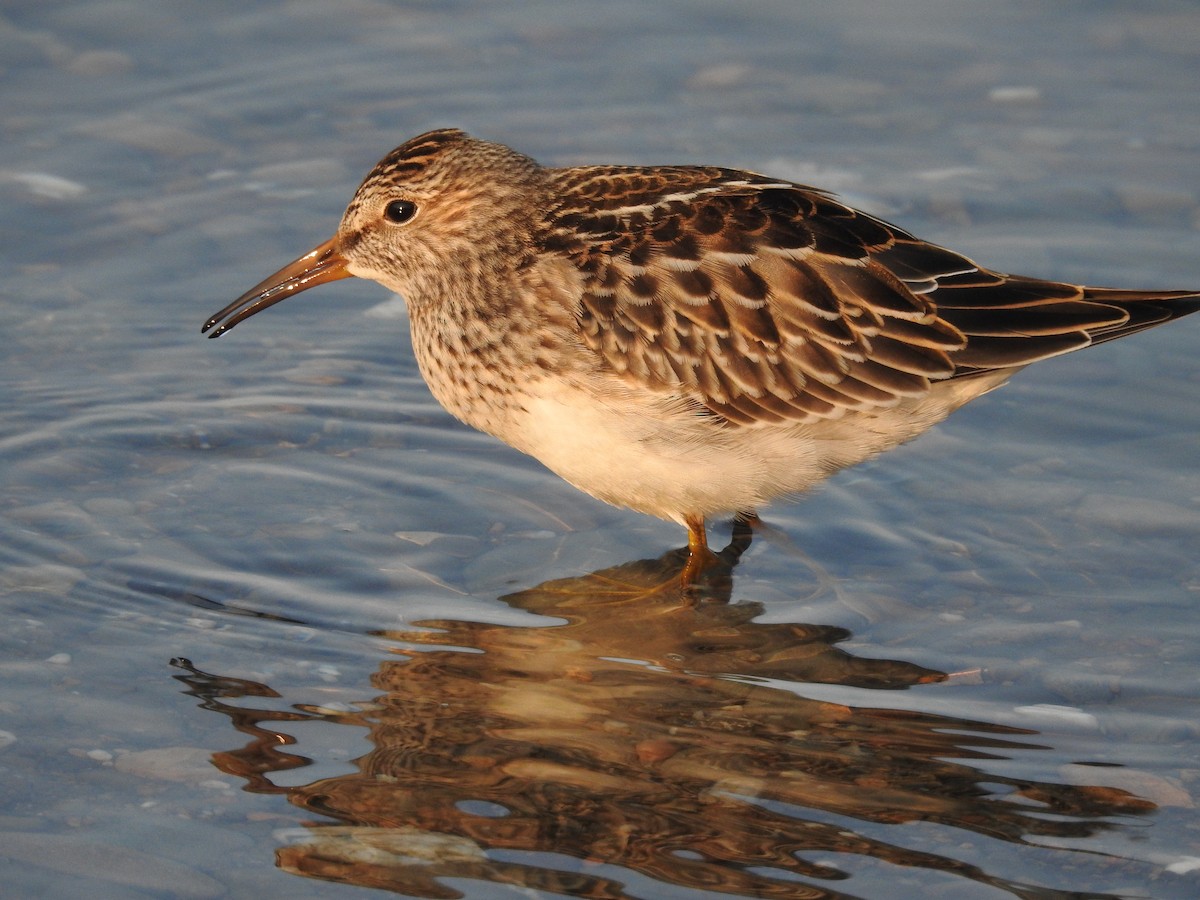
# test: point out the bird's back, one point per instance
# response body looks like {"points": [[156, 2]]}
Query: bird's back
{"points": [[766, 302]]}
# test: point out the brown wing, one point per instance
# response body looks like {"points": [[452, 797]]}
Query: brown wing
{"points": [[769, 302]]}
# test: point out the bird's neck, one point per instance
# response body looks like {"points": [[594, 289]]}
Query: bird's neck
{"points": [[483, 348]]}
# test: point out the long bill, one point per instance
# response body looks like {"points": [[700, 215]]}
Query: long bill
{"points": [[321, 264]]}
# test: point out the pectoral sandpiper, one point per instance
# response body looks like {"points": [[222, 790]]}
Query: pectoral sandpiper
{"points": [[685, 341]]}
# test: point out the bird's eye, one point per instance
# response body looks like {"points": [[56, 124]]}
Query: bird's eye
{"points": [[400, 211]]}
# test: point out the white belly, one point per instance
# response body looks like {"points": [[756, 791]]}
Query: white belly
{"points": [[660, 458]]}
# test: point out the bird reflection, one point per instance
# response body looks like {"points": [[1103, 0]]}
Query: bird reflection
{"points": [[650, 738]]}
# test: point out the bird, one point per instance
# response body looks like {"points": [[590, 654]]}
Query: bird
{"points": [[685, 341]]}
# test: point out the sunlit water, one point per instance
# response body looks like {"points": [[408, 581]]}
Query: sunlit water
{"points": [[270, 613]]}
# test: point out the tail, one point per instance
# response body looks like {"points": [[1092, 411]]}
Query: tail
{"points": [[1144, 309], [1011, 321]]}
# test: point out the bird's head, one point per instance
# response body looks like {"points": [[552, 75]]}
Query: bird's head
{"points": [[443, 212]]}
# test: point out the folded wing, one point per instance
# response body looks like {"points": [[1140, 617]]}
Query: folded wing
{"points": [[768, 302]]}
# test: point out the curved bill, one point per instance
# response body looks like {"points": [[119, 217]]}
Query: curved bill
{"points": [[321, 264]]}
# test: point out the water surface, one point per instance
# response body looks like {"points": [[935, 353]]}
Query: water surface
{"points": [[274, 624]]}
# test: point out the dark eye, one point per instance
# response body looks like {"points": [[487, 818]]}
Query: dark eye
{"points": [[400, 211]]}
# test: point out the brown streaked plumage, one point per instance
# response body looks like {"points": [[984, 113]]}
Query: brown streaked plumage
{"points": [[685, 340]]}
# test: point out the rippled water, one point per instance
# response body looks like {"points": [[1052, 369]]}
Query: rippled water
{"points": [[270, 613]]}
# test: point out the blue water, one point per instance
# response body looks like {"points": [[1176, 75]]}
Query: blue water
{"points": [[968, 669]]}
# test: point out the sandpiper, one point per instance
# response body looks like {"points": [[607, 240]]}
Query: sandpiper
{"points": [[685, 341]]}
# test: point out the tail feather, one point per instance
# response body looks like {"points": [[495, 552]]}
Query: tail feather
{"points": [[1012, 322], [1145, 309]]}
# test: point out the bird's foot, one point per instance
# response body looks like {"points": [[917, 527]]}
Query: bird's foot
{"points": [[698, 562], [700, 557]]}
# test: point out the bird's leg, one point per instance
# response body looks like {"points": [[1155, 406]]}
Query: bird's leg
{"points": [[699, 556]]}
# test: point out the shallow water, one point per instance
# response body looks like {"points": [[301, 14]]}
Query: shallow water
{"points": [[270, 613]]}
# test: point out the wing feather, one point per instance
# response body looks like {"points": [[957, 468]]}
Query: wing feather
{"points": [[768, 303]]}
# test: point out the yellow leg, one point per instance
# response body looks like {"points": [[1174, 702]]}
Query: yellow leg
{"points": [[699, 556]]}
